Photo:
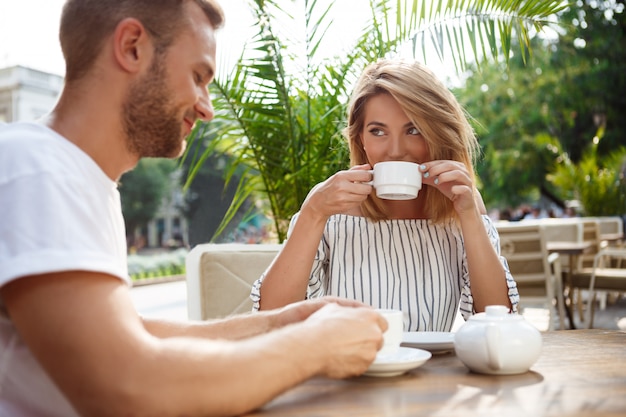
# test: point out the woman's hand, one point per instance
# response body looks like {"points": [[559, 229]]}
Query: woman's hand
{"points": [[286, 279], [455, 182], [341, 192]]}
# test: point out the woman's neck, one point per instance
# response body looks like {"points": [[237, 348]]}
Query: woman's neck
{"points": [[407, 209]]}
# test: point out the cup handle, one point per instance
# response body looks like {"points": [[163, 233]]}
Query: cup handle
{"points": [[371, 171]]}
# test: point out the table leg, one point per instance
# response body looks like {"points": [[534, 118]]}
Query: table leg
{"points": [[568, 299]]}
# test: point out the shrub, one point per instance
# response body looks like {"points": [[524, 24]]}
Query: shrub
{"points": [[157, 265]]}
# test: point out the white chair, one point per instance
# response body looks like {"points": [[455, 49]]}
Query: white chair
{"points": [[611, 230], [536, 272], [220, 277], [563, 230], [606, 274]]}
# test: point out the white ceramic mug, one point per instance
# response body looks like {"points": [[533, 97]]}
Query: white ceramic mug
{"points": [[393, 335], [396, 180]]}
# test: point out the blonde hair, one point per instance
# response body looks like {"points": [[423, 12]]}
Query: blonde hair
{"points": [[434, 111]]}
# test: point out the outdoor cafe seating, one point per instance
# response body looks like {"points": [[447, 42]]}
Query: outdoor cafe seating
{"points": [[578, 242], [220, 276], [537, 272], [578, 372], [608, 273]]}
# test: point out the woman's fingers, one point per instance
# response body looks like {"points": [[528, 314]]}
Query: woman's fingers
{"points": [[453, 180], [340, 192]]}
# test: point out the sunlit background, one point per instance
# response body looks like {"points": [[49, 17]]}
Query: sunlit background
{"points": [[29, 32]]}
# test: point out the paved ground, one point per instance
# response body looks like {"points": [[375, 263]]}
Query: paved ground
{"points": [[612, 317], [169, 300]]}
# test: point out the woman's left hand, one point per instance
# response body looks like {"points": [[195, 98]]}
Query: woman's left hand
{"points": [[455, 182]]}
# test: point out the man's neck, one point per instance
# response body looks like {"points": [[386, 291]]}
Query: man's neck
{"points": [[94, 126]]}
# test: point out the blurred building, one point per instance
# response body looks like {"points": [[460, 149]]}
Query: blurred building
{"points": [[170, 228], [27, 94]]}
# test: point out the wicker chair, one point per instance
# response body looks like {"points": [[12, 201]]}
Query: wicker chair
{"points": [[220, 277], [537, 273], [608, 273]]}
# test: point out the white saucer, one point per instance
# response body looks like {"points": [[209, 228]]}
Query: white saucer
{"points": [[435, 342], [402, 361]]}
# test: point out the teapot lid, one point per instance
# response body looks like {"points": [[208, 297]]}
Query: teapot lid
{"points": [[496, 313]]}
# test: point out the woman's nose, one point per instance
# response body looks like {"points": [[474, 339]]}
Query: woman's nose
{"points": [[396, 149]]}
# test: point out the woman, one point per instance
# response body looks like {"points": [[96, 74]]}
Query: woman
{"points": [[429, 256]]}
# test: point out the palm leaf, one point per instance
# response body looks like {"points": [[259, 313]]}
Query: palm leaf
{"points": [[280, 113]]}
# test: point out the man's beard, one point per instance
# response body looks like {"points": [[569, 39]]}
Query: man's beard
{"points": [[152, 125]]}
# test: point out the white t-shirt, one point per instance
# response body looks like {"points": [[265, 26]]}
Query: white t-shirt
{"points": [[58, 211], [416, 266]]}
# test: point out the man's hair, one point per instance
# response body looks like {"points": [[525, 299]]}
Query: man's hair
{"points": [[433, 110], [85, 24]]}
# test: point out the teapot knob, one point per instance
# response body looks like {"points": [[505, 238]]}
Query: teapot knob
{"points": [[496, 311]]}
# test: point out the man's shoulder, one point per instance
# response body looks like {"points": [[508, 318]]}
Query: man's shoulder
{"points": [[16, 127], [24, 136], [27, 148]]}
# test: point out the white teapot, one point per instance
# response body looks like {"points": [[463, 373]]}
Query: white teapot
{"points": [[496, 342]]}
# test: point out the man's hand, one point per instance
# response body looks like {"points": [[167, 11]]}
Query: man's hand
{"points": [[347, 338], [299, 311]]}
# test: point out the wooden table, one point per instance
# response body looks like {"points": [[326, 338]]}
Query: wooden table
{"points": [[572, 250], [579, 373], [612, 238]]}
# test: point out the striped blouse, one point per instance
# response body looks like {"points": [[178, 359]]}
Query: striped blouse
{"points": [[412, 265]]}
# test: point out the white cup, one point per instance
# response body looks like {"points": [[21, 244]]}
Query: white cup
{"points": [[396, 180], [392, 338]]}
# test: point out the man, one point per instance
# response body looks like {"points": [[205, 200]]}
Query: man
{"points": [[71, 342]]}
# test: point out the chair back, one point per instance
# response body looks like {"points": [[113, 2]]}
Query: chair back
{"points": [[524, 247], [563, 230], [220, 277], [591, 234], [611, 225]]}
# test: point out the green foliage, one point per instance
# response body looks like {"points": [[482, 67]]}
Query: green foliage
{"points": [[598, 183], [514, 175], [157, 265], [541, 113], [207, 199], [142, 190], [590, 58], [512, 107], [280, 113]]}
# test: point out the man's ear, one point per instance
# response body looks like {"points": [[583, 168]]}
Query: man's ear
{"points": [[132, 46]]}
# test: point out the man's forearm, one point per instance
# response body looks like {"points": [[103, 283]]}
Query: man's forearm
{"points": [[231, 328]]}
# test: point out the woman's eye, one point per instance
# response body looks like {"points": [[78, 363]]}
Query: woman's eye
{"points": [[198, 77], [413, 131], [376, 132]]}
